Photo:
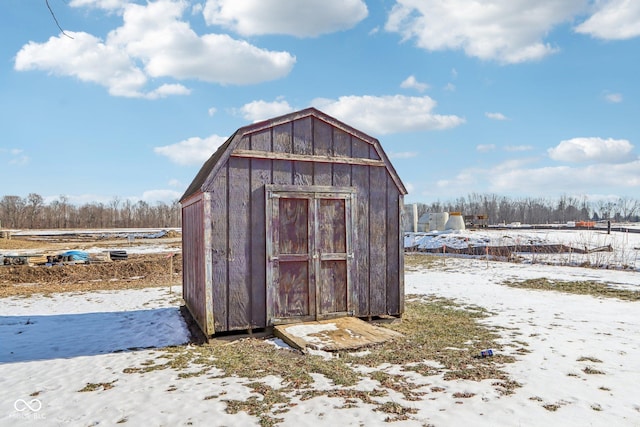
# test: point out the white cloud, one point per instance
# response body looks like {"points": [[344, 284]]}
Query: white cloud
{"points": [[518, 148], [484, 148], [544, 180], [597, 150], [520, 177], [86, 58], [411, 83], [461, 182], [613, 98], [261, 110], [20, 160], [613, 20], [403, 155], [192, 151], [17, 158], [388, 114], [153, 42], [169, 47], [174, 183], [496, 116], [410, 187], [308, 19], [508, 31], [168, 89], [167, 196], [450, 87], [99, 4], [211, 111]]}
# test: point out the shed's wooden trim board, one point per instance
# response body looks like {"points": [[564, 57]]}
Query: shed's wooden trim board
{"points": [[306, 158]]}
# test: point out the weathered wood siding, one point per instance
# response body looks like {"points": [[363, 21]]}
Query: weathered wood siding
{"points": [[193, 262], [237, 204]]}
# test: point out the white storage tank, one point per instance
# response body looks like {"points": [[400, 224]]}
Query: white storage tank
{"points": [[455, 221], [437, 221], [423, 222]]}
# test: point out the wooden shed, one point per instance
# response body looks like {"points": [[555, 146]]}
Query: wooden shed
{"points": [[292, 219]]}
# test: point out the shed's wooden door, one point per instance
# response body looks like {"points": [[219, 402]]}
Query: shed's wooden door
{"points": [[308, 253], [332, 256], [291, 259]]}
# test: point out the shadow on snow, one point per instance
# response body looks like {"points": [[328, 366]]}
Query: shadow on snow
{"points": [[45, 337]]}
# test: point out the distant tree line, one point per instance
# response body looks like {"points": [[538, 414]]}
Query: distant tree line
{"points": [[33, 212], [529, 210]]}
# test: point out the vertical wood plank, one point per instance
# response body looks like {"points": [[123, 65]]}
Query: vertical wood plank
{"points": [[282, 142], [195, 286], [360, 180], [260, 175], [360, 148], [378, 241], [341, 147], [219, 249], [401, 255], [283, 138], [351, 229], [244, 143], [239, 244], [322, 146], [393, 261], [205, 260], [272, 243], [303, 144]]}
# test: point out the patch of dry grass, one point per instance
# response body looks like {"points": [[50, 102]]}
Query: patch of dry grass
{"points": [[592, 371], [589, 359], [417, 261], [98, 386], [436, 332], [584, 287]]}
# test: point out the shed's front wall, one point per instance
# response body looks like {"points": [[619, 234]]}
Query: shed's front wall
{"points": [[237, 203]]}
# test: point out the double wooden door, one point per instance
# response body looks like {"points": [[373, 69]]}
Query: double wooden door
{"points": [[309, 252]]}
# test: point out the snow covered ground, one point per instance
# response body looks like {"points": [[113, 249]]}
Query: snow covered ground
{"points": [[625, 246], [582, 368]]}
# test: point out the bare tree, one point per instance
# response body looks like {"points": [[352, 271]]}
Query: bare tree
{"points": [[11, 211], [34, 206], [627, 208]]}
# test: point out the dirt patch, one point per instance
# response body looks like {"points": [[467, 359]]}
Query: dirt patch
{"points": [[138, 271]]}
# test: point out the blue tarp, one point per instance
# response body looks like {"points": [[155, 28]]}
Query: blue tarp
{"points": [[76, 255]]}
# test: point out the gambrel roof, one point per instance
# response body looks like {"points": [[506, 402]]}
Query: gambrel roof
{"points": [[231, 147]]}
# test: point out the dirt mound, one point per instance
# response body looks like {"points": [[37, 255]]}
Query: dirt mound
{"points": [[135, 272]]}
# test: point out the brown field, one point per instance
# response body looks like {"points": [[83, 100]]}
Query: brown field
{"points": [[138, 271]]}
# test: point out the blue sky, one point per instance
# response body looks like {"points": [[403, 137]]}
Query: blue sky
{"points": [[521, 98]]}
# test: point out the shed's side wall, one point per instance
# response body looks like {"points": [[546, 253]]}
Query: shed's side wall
{"points": [[193, 260], [238, 220]]}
